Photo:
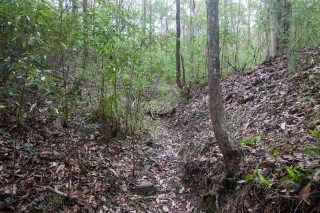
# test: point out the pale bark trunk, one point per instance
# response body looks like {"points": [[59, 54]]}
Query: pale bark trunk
{"points": [[167, 20], [192, 9], [280, 12], [224, 138], [85, 35], [178, 61], [272, 49], [249, 22], [144, 16], [285, 14]]}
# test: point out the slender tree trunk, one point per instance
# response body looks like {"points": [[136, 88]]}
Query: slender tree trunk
{"points": [[225, 139], [167, 20], [192, 9], [144, 16], [280, 12], [85, 34], [64, 71], [272, 45], [284, 23], [178, 61], [183, 71], [249, 22], [237, 61], [150, 34]]}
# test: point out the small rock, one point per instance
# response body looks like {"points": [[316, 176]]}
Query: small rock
{"points": [[146, 167], [143, 187]]}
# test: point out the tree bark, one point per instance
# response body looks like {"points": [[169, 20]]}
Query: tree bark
{"points": [[144, 16], [249, 22], [272, 45], [284, 19], [178, 35], [280, 12], [225, 139], [183, 86], [192, 35], [85, 34]]}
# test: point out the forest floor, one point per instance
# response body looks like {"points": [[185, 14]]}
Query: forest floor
{"points": [[175, 165]]}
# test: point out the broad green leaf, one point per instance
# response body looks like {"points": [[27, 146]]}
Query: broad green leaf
{"points": [[256, 138], [290, 171], [293, 174], [276, 153], [265, 181], [248, 177]]}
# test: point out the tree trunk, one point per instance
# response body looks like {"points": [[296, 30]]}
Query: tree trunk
{"points": [[144, 16], [184, 87], [150, 34], [192, 35], [178, 61], [85, 34], [224, 138], [167, 20], [280, 12], [272, 45], [183, 71], [284, 25], [249, 22]]}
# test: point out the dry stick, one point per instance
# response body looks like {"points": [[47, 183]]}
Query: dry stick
{"points": [[19, 130], [217, 200], [295, 210], [69, 163], [14, 169], [134, 158], [254, 191], [183, 70], [63, 194]]}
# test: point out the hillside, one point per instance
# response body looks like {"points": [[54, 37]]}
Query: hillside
{"points": [[277, 105], [175, 164]]}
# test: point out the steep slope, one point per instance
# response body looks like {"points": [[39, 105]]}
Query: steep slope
{"points": [[275, 103]]}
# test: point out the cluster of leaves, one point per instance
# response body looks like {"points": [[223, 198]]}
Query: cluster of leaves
{"points": [[62, 60], [316, 148], [300, 175]]}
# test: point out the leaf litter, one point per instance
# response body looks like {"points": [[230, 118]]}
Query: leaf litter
{"points": [[178, 165]]}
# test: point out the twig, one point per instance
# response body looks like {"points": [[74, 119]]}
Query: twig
{"points": [[254, 191], [295, 210], [63, 194]]}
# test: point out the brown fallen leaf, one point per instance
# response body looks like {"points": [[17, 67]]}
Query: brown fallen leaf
{"points": [[11, 189], [304, 192], [86, 191], [189, 207]]}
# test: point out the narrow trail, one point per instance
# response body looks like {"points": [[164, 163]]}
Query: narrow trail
{"points": [[172, 191]]}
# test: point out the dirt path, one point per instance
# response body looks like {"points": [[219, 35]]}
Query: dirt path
{"points": [[167, 171]]}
